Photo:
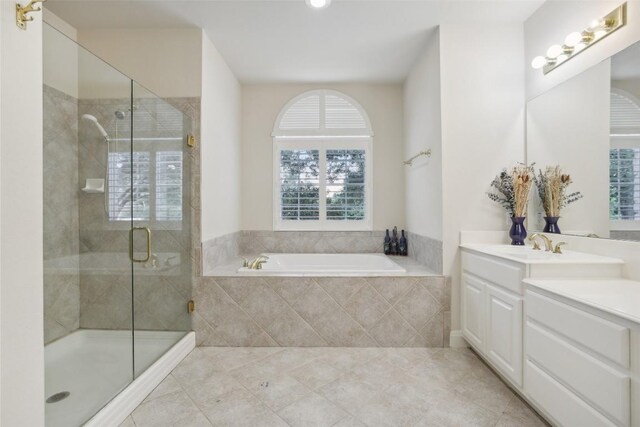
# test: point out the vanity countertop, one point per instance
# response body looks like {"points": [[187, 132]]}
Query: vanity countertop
{"points": [[526, 255], [620, 297]]}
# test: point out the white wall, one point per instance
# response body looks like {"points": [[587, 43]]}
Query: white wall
{"points": [[554, 20], [422, 130], [261, 104], [569, 126], [220, 145], [61, 60], [482, 130], [21, 235], [165, 61]]}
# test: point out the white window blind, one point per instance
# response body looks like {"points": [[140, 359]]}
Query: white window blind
{"points": [[130, 186], [322, 164], [168, 186], [342, 114], [624, 184], [624, 114], [304, 114], [345, 185]]}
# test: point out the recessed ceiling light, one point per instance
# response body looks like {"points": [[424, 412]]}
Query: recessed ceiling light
{"points": [[318, 4]]}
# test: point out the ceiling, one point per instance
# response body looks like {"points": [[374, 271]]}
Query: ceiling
{"points": [[286, 41]]}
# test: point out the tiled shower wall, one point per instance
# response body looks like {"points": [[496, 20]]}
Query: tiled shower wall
{"points": [[322, 311], [87, 280], [160, 294], [60, 168]]}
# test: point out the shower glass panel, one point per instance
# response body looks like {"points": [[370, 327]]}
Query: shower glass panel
{"points": [[116, 191], [161, 213]]}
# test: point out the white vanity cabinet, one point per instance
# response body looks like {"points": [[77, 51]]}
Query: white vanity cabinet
{"points": [[492, 304], [577, 367]]}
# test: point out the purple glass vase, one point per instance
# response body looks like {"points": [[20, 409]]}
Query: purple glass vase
{"points": [[551, 224], [517, 232]]}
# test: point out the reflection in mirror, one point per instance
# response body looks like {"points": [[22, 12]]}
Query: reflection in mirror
{"points": [[590, 127]]}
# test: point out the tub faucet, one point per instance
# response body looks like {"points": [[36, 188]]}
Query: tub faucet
{"points": [[256, 264]]}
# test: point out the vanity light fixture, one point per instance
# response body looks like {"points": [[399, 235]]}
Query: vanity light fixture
{"points": [[318, 4], [578, 41]]}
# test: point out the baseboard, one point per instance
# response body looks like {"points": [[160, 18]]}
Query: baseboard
{"points": [[456, 340], [121, 406]]}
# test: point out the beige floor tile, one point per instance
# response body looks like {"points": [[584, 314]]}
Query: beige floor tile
{"points": [[280, 391], [173, 409], [315, 374], [168, 385], [239, 408], [519, 414], [312, 410], [237, 386], [240, 356], [128, 422]]}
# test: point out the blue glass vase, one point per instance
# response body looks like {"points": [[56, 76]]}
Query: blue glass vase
{"points": [[551, 224], [517, 232]]}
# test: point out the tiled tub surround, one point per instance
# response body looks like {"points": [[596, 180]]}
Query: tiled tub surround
{"points": [[230, 247], [426, 251], [60, 168], [322, 311]]}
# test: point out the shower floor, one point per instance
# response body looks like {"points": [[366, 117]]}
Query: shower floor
{"points": [[94, 366]]}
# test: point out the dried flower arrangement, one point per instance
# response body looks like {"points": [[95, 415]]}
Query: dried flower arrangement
{"points": [[512, 189], [552, 189]]}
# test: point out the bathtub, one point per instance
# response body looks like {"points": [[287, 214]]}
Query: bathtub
{"points": [[327, 264]]}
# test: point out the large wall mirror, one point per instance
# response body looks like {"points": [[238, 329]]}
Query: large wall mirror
{"points": [[590, 127]]}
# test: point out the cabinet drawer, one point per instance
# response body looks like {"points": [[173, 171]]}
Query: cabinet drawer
{"points": [[604, 387], [606, 338], [501, 273], [561, 404]]}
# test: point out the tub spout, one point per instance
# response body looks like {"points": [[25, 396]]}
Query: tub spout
{"points": [[256, 264]]}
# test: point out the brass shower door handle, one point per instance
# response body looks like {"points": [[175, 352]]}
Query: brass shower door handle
{"points": [[148, 233]]}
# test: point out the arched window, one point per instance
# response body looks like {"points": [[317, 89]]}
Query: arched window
{"points": [[322, 143], [624, 160]]}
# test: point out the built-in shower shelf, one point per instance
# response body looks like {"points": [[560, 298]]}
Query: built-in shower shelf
{"points": [[94, 185]]}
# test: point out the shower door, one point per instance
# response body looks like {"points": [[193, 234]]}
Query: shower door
{"points": [[161, 233], [117, 234]]}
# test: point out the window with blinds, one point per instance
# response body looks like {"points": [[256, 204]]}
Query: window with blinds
{"points": [[131, 183], [624, 157], [624, 184], [322, 164]]}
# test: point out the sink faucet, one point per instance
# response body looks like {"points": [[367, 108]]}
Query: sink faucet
{"points": [[256, 264], [557, 249], [548, 244]]}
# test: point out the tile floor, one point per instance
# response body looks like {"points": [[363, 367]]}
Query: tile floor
{"points": [[242, 386]]}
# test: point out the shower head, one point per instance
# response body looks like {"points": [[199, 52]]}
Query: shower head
{"points": [[92, 119]]}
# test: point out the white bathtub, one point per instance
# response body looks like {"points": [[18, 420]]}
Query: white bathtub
{"points": [[327, 264]]}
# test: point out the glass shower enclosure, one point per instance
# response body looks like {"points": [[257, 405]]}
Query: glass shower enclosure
{"points": [[117, 238]]}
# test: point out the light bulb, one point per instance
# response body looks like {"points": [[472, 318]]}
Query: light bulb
{"points": [[595, 24], [318, 4], [554, 51], [538, 62], [573, 39]]}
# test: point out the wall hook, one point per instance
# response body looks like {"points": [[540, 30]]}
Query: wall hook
{"points": [[23, 11]]}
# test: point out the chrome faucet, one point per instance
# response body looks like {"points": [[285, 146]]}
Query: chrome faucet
{"points": [[256, 264]]}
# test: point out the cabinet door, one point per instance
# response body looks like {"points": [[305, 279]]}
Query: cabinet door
{"points": [[504, 332], [473, 311]]}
